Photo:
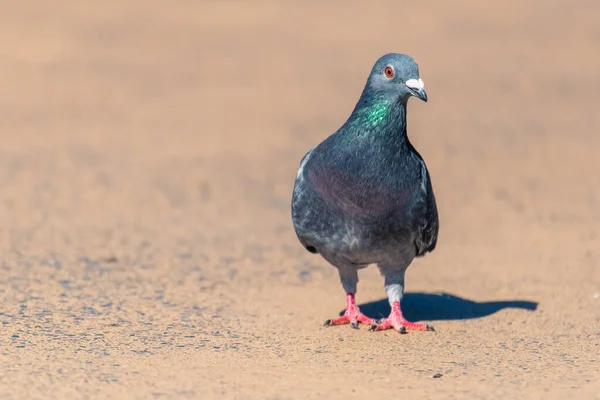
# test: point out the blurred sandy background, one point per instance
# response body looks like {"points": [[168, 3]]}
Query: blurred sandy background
{"points": [[146, 166]]}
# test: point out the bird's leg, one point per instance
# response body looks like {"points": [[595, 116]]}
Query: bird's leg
{"points": [[352, 315], [394, 286], [397, 321]]}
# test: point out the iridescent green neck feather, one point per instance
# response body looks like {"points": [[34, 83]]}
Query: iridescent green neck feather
{"points": [[375, 114], [381, 114]]}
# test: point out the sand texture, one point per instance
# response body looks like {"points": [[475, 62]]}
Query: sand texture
{"points": [[148, 154]]}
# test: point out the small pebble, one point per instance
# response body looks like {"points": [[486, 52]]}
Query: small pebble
{"points": [[437, 375]]}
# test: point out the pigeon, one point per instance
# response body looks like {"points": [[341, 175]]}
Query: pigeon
{"points": [[364, 195]]}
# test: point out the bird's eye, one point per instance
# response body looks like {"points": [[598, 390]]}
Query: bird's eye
{"points": [[389, 72]]}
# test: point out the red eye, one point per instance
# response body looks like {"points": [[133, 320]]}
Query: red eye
{"points": [[389, 72]]}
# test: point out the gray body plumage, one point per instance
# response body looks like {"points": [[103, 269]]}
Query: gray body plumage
{"points": [[364, 195]]}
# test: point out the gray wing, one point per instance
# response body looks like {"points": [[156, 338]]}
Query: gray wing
{"points": [[428, 226], [300, 198]]}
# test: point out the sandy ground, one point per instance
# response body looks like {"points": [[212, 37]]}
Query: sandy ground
{"points": [[147, 161]]}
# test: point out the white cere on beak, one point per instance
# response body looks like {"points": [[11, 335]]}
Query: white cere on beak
{"points": [[415, 84]]}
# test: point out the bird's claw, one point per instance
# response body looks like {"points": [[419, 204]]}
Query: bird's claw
{"points": [[373, 328], [376, 323], [353, 319], [351, 315], [397, 321]]}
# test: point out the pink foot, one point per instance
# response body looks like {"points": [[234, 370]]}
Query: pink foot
{"points": [[396, 321], [352, 315]]}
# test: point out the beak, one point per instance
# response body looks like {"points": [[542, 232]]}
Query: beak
{"points": [[417, 88], [421, 94]]}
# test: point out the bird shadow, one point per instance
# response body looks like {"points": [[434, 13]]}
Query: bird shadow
{"points": [[442, 307]]}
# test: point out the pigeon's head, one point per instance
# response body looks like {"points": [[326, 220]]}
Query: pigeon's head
{"points": [[397, 76]]}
